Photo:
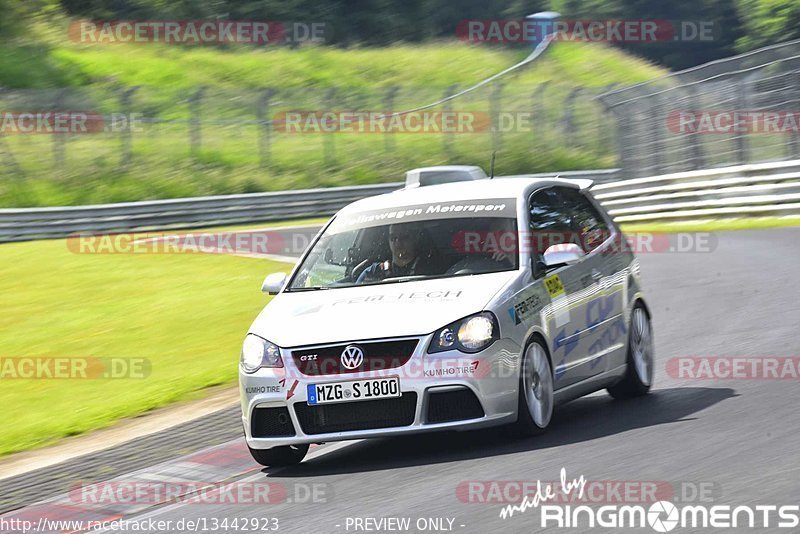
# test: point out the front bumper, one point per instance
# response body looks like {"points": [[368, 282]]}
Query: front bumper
{"points": [[491, 375]]}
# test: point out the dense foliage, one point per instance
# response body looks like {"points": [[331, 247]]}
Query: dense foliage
{"points": [[739, 25]]}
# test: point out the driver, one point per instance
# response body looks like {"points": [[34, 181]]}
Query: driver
{"points": [[404, 242]]}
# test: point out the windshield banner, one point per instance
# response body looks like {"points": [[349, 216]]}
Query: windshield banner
{"points": [[485, 207]]}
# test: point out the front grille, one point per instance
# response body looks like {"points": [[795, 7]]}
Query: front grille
{"points": [[271, 423], [445, 406], [378, 355], [361, 415]]}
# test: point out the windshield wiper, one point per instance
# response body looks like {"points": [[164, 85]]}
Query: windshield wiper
{"points": [[407, 278], [313, 288], [401, 279]]}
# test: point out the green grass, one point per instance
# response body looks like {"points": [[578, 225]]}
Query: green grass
{"points": [[228, 159], [436, 65], [185, 313]]}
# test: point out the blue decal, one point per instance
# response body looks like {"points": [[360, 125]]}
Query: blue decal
{"points": [[609, 337], [311, 391], [561, 369], [513, 315], [570, 345], [599, 309]]}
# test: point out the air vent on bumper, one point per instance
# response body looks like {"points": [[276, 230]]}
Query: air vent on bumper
{"points": [[271, 423], [362, 415], [453, 405]]}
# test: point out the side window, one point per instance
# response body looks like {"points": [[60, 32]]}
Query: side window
{"points": [[587, 222], [549, 223]]}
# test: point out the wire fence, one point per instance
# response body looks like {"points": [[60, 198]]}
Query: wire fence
{"points": [[743, 109], [276, 138], [144, 142]]}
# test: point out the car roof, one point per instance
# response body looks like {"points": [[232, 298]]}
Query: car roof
{"points": [[499, 187]]}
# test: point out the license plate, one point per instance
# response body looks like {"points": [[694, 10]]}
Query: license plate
{"points": [[354, 390]]}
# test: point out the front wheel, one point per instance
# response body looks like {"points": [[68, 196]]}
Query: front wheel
{"points": [[536, 392], [639, 374], [280, 456]]}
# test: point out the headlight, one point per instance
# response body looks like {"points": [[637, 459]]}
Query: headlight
{"points": [[470, 334], [257, 353]]}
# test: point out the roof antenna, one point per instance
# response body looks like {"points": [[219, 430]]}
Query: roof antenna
{"points": [[491, 165]]}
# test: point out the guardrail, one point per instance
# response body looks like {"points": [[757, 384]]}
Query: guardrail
{"points": [[23, 224], [756, 189], [42, 223], [761, 189]]}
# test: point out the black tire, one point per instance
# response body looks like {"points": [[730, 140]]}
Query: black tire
{"points": [[637, 380], [280, 456], [534, 358]]}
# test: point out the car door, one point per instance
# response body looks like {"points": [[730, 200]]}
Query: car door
{"points": [[603, 271], [551, 223]]}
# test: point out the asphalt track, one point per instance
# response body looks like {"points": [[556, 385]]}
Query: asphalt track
{"points": [[736, 440]]}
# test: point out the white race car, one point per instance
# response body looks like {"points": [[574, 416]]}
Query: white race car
{"points": [[465, 304]]}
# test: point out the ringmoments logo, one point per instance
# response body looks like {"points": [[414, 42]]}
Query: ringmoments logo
{"points": [[664, 516], [660, 516]]}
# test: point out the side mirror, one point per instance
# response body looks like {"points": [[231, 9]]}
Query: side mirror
{"points": [[273, 283], [562, 254]]}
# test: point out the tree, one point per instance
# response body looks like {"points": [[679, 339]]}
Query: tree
{"points": [[676, 54], [767, 22]]}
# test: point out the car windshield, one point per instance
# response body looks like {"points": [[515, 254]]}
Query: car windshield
{"points": [[412, 243]]}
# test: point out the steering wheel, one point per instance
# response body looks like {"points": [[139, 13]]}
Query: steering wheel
{"points": [[358, 269]]}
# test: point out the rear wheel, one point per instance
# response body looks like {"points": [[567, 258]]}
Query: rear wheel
{"points": [[536, 392], [639, 374], [280, 456]]}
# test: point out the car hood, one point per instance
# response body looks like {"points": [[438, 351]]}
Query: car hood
{"points": [[376, 311]]}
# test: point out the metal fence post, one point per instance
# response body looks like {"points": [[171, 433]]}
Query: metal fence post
{"points": [[494, 110], [59, 140], [606, 135], [793, 146], [388, 102], [568, 121], [539, 118], [329, 142], [265, 130], [656, 125], [697, 159], [127, 132], [7, 156], [195, 134], [742, 152], [625, 158], [447, 137]]}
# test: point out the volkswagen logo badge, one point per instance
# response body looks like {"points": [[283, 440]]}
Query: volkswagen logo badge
{"points": [[352, 357]]}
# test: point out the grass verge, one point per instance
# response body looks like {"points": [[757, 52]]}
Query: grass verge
{"points": [[186, 314]]}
